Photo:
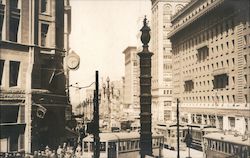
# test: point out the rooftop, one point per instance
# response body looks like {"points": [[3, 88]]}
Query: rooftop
{"points": [[237, 139]]}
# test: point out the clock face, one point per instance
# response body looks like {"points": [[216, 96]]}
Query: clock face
{"points": [[73, 62]]}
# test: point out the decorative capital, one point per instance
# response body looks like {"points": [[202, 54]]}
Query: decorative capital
{"points": [[145, 36]]}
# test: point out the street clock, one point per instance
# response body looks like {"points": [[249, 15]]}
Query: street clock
{"points": [[73, 61]]}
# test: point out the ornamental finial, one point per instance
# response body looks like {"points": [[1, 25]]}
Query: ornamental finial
{"points": [[145, 37]]}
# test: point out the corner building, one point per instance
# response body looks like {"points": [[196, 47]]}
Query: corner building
{"points": [[211, 68], [162, 10], [32, 80]]}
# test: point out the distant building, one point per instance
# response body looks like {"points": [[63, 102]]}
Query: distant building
{"points": [[211, 68], [132, 72], [162, 10], [32, 80]]}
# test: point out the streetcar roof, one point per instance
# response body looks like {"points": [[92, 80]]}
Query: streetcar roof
{"points": [[200, 126], [211, 129], [228, 138], [109, 136]]}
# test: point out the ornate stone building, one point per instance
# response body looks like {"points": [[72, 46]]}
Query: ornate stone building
{"points": [[32, 79], [131, 95], [162, 10], [211, 68]]}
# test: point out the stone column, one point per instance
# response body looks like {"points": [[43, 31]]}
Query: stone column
{"points": [[225, 123], [202, 119]]}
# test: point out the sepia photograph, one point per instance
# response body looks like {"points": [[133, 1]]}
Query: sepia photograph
{"points": [[124, 79]]}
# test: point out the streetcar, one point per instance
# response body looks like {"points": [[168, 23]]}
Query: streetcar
{"points": [[224, 145], [198, 131], [171, 137], [120, 145], [169, 131]]}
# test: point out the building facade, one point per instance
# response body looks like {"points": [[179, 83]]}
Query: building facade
{"points": [[162, 10], [132, 72], [32, 79], [211, 68]]}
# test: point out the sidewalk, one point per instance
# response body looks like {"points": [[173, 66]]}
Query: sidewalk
{"points": [[183, 154]]}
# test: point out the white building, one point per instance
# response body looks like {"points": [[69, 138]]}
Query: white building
{"points": [[162, 58], [211, 70], [131, 96]]}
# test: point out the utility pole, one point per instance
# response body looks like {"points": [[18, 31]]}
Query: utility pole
{"points": [[178, 130], [96, 118]]}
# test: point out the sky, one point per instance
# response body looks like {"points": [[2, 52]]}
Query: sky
{"points": [[101, 31]]}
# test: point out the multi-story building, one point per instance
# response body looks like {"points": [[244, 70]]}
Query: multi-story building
{"points": [[132, 72], [162, 10], [211, 68], [32, 82]]}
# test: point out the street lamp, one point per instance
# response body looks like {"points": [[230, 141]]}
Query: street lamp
{"points": [[108, 91], [89, 102]]}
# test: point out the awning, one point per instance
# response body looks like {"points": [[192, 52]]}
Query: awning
{"points": [[8, 129], [70, 133], [9, 113]]}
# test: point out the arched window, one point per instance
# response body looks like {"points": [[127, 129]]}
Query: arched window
{"points": [[167, 9], [178, 7]]}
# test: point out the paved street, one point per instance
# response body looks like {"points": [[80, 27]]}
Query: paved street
{"points": [[183, 154]]}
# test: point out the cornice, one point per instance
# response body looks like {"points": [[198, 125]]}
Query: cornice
{"points": [[178, 26], [155, 2]]}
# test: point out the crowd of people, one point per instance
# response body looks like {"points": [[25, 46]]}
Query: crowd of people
{"points": [[64, 151], [61, 152]]}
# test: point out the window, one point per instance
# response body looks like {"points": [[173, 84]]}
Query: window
{"points": [[13, 3], [233, 79], [44, 31], [13, 34], [231, 122], [44, 6], [245, 58], [220, 81], [245, 77], [102, 146], [202, 53], [167, 103], [188, 85], [1, 70], [14, 72], [245, 40]]}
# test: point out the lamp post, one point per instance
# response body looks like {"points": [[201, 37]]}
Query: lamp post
{"points": [[108, 91], [145, 94]]}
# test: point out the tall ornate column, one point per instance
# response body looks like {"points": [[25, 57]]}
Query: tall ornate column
{"points": [[145, 93]]}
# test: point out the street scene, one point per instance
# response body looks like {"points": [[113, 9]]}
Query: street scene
{"points": [[124, 79]]}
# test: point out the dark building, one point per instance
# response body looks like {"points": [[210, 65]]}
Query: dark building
{"points": [[32, 79]]}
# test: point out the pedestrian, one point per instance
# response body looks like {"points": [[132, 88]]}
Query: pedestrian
{"points": [[53, 154], [35, 154], [59, 151], [47, 150], [78, 152]]}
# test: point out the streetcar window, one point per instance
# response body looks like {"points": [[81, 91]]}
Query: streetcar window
{"points": [[128, 145], [85, 146], [137, 144], [132, 144], [120, 146], [123, 146], [225, 144], [103, 146]]}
